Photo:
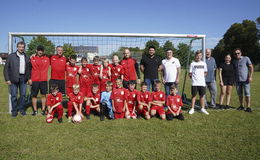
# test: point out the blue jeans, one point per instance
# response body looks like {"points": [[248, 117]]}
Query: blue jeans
{"points": [[13, 88], [240, 86], [167, 87], [149, 83], [212, 86]]}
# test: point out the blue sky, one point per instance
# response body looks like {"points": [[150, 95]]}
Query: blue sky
{"points": [[210, 17]]}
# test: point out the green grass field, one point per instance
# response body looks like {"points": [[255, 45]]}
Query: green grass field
{"points": [[228, 134]]}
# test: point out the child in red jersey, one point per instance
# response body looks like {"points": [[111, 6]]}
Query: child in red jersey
{"points": [[71, 74], [144, 99], [119, 99], [76, 99], [95, 70], [158, 100], [105, 74], [92, 100], [85, 77], [174, 104], [54, 105], [117, 70], [131, 100]]}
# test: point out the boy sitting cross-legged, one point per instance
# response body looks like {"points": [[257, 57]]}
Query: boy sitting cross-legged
{"points": [[92, 100], [144, 99], [174, 104]]}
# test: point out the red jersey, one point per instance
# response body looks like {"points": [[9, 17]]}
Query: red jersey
{"points": [[118, 95], [85, 77], [131, 98], [95, 96], [116, 72], [71, 75], [158, 96], [40, 66], [52, 100], [174, 102], [58, 67], [144, 97], [95, 71], [104, 79], [79, 98], [129, 68]]}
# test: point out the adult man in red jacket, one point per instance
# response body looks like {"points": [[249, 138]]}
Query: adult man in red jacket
{"points": [[39, 65], [130, 67]]}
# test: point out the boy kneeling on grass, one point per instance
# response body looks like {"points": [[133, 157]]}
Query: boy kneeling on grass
{"points": [[106, 108], [92, 101], [54, 105], [76, 99], [174, 104], [131, 100], [158, 100], [144, 99]]}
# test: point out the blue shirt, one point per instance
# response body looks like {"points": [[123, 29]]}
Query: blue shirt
{"points": [[211, 65], [242, 68], [105, 97]]}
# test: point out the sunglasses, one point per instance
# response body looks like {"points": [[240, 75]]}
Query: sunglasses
{"points": [[237, 53]]}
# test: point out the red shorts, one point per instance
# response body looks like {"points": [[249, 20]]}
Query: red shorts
{"points": [[119, 115], [158, 109], [144, 111]]}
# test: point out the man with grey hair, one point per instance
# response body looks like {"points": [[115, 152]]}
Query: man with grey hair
{"points": [[211, 79]]}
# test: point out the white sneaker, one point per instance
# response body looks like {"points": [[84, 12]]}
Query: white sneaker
{"points": [[203, 110], [191, 111]]}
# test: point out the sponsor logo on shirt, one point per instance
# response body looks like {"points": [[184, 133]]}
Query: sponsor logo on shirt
{"points": [[199, 67]]}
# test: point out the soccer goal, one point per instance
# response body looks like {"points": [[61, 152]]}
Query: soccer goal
{"points": [[107, 44]]}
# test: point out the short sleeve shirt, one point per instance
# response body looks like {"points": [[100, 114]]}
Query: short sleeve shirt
{"points": [[151, 66], [170, 69], [198, 69], [211, 66], [241, 68]]}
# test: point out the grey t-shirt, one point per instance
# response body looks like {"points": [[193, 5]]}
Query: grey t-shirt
{"points": [[242, 68], [211, 65]]}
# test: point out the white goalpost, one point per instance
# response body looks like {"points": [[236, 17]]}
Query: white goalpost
{"points": [[107, 44]]}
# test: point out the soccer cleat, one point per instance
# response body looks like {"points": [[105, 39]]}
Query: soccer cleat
{"points": [[191, 111], [240, 108], [23, 113], [248, 110], [139, 116], [34, 113], [60, 120], [203, 110], [88, 116], [43, 112]]}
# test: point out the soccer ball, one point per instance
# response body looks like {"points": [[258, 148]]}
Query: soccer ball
{"points": [[49, 118], [76, 118]]}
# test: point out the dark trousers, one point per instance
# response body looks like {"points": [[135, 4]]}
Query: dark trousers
{"points": [[13, 89], [171, 117], [150, 82]]}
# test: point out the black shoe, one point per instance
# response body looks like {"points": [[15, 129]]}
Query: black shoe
{"points": [[88, 116], [219, 107], [14, 114], [227, 107], [23, 113], [139, 116], [43, 112], [248, 110], [60, 120], [34, 113], [240, 108]]}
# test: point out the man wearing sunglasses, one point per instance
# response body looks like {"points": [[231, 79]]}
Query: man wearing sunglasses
{"points": [[243, 74]]}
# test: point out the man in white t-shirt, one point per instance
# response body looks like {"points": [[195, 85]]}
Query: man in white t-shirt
{"points": [[198, 71], [171, 71]]}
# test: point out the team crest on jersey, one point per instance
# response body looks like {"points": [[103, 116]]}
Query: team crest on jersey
{"points": [[178, 99], [98, 68], [57, 98], [75, 68], [118, 69], [133, 95], [161, 95], [96, 99], [146, 96], [61, 60], [122, 92], [87, 69], [54, 59], [78, 97]]}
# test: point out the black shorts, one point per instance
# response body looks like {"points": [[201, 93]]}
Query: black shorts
{"points": [[171, 117], [60, 83], [228, 81], [39, 86], [200, 89]]}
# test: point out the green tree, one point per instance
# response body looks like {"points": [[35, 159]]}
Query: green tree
{"points": [[240, 35], [169, 45], [68, 50], [136, 52], [182, 54], [40, 40]]}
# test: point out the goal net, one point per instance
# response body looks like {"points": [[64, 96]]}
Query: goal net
{"points": [[107, 44]]}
